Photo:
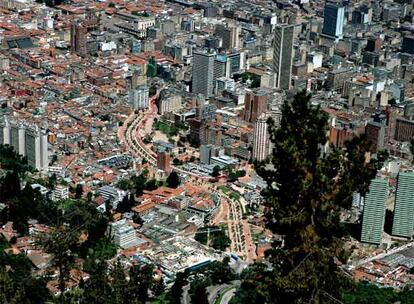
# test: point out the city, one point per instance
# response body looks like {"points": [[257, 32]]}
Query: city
{"points": [[177, 151]]}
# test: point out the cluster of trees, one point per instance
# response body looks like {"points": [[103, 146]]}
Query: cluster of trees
{"points": [[213, 236], [116, 285], [306, 190], [244, 77], [372, 294], [232, 176], [17, 285], [138, 183]]}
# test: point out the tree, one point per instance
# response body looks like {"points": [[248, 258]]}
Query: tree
{"points": [[412, 150], [306, 190], [10, 187], [60, 243], [198, 291], [173, 180], [176, 291], [123, 205], [152, 91], [141, 281], [151, 185], [78, 191], [216, 171]]}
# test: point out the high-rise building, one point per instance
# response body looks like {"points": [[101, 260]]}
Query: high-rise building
{"points": [[375, 132], [203, 74], [408, 45], [27, 141], [403, 223], [262, 146], [230, 35], [206, 152], [333, 20], [283, 55], [36, 148], [163, 161], [374, 212], [255, 103], [5, 131], [139, 98], [78, 38]]}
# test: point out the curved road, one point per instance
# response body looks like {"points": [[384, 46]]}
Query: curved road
{"points": [[129, 133]]}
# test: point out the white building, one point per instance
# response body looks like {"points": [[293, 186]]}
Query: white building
{"points": [[60, 193], [124, 235], [28, 141], [262, 146], [224, 83], [139, 98]]}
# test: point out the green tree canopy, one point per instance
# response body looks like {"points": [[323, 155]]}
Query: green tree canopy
{"points": [[306, 189]]}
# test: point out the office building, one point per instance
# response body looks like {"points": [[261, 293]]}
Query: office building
{"points": [[203, 74], [404, 129], [224, 83], [374, 212], [283, 55], [124, 235], [262, 146], [333, 20], [408, 45], [206, 152], [403, 223], [229, 34], [170, 101], [375, 132], [163, 161], [255, 103], [221, 67], [139, 97], [362, 15]]}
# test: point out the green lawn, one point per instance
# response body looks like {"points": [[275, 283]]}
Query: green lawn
{"points": [[166, 128]]}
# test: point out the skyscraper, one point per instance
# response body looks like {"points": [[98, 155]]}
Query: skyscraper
{"points": [[333, 20], [282, 55], [403, 223], [29, 141], [255, 103], [262, 147], [203, 74], [374, 212]]}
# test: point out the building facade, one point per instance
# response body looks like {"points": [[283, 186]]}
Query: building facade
{"points": [[333, 20], [203, 74], [262, 146], [374, 212], [403, 223], [283, 55], [255, 103]]}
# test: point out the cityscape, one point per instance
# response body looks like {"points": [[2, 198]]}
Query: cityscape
{"points": [[221, 152]]}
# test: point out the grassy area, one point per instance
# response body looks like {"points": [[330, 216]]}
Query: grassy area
{"points": [[159, 300], [232, 194], [166, 128]]}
